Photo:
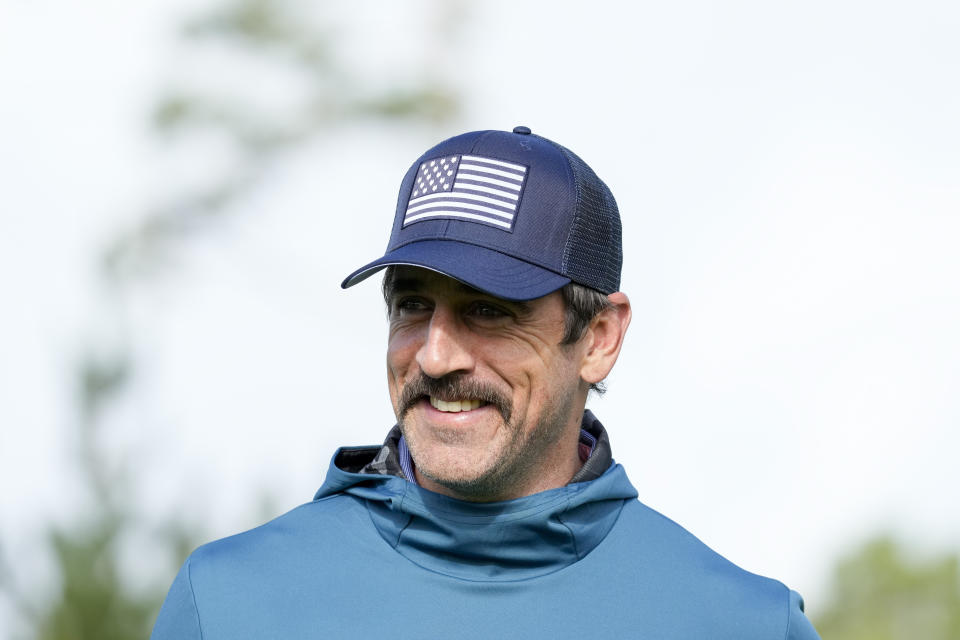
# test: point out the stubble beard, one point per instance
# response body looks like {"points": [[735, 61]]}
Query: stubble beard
{"points": [[518, 459]]}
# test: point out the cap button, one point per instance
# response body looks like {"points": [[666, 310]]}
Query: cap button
{"points": [[522, 130]]}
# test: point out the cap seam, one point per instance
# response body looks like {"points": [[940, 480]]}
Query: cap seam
{"points": [[476, 143], [572, 179]]}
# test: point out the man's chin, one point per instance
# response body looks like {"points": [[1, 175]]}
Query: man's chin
{"points": [[449, 458], [472, 484]]}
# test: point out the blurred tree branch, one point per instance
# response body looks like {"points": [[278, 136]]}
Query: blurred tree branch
{"points": [[331, 96], [94, 599]]}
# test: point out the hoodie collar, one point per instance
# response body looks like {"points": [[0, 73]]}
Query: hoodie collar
{"points": [[491, 541]]}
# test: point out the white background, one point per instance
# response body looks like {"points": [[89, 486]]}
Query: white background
{"points": [[788, 180]]}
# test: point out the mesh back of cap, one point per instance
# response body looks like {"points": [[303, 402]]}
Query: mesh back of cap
{"points": [[593, 255]]}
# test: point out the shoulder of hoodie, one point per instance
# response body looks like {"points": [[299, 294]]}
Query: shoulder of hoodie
{"points": [[657, 537], [315, 522]]}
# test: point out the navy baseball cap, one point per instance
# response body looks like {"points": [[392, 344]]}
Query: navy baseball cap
{"points": [[511, 214]]}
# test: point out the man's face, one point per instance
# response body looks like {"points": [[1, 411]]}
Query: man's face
{"points": [[488, 400]]}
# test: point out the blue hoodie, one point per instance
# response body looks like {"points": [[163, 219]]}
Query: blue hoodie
{"points": [[374, 554]]}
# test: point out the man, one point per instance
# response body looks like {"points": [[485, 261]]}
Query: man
{"points": [[494, 508]]}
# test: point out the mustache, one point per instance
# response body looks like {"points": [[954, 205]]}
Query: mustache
{"points": [[453, 387]]}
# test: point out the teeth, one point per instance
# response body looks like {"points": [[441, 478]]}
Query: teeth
{"points": [[454, 406]]}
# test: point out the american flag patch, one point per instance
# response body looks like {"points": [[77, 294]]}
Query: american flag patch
{"points": [[470, 188]]}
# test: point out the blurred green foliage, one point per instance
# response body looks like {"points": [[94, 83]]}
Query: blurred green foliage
{"points": [[882, 592], [95, 598]]}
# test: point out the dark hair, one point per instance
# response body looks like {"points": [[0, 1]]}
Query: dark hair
{"points": [[581, 305]]}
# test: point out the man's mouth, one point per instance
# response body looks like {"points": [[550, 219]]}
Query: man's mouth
{"points": [[452, 394], [455, 406]]}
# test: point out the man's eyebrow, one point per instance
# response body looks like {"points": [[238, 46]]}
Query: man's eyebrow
{"points": [[520, 306], [395, 285], [405, 284], [416, 284]]}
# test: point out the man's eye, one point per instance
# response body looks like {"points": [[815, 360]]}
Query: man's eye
{"points": [[409, 305], [485, 310]]}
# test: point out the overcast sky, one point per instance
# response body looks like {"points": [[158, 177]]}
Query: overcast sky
{"points": [[788, 180]]}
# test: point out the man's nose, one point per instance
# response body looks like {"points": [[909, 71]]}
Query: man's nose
{"points": [[444, 349]]}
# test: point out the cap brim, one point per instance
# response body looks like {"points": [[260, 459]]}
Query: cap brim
{"points": [[484, 269]]}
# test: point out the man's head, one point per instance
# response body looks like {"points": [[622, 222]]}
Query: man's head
{"points": [[487, 392], [504, 310]]}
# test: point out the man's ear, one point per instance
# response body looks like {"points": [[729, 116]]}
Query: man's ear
{"points": [[604, 338]]}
